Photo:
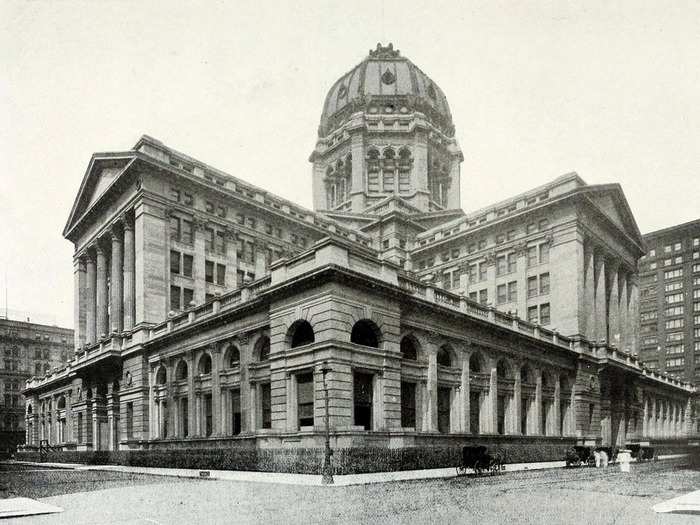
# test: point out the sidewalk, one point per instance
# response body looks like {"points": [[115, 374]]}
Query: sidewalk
{"points": [[303, 479]]}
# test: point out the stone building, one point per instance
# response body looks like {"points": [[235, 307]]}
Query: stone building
{"points": [[670, 301], [27, 350], [213, 314]]}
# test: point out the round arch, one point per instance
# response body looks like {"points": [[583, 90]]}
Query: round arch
{"points": [[366, 333], [161, 378], [262, 348], [300, 333], [181, 370], [410, 347], [204, 364], [476, 363], [232, 356], [445, 355]]}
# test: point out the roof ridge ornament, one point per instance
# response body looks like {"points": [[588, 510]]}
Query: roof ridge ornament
{"points": [[384, 52]]}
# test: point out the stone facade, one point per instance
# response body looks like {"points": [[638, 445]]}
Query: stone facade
{"points": [[27, 349], [211, 314]]}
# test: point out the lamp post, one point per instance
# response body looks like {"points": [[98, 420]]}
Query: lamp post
{"points": [[327, 467]]}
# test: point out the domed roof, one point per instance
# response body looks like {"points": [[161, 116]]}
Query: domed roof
{"points": [[385, 77]]}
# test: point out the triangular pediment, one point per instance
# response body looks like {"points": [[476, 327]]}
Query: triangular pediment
{"points": [[611, 201], [101, 174]]}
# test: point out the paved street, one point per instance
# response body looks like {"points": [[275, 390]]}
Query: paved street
{"points": [[554, 496]]}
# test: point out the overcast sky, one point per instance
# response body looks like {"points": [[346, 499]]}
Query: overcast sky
{"points": [[536, 89]]}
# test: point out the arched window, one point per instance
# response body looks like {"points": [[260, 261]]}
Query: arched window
{"points": [[475, 364], [262, 348], [365, 333], [301, 333], [161, 377], [443, 356], [408, 348], [502, 370], [389, 154], [232, 356], [29, 409], [61, 403], [181, 371], [204, 364]]}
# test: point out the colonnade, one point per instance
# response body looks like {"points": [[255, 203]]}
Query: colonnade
{"points": [[611, 298], [496, 395], [665, 418], [104, 285]]}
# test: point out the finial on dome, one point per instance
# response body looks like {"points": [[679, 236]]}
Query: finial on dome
{"points": [[384, 52]]}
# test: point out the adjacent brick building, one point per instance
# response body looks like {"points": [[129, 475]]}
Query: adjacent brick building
{"points": [[670, 301], [27, 350]]}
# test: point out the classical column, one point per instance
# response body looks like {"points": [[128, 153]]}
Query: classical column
{"points": [[633, 317], [538, 402], [614, 305], [259, 258], [152, 425], [465, 386], [215, 390], [431, 415], [231, 276], [68, 438], [601, 311], [589, 291], [556, 420], [129, 261], [101, 300], [517, 402], [253, 413], [191, 399], [493, 398], [90, 296], [624, 312], [654, 414], [116, 287], [645, 423], [79, 297], [292, 416]]}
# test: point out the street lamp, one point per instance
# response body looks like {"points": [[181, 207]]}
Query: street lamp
{"points": [[327, 467]]}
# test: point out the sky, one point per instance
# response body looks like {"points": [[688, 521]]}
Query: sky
{"points": [[536, 90]]}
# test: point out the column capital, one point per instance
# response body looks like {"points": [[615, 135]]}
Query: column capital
{"points": [[127, 223]]}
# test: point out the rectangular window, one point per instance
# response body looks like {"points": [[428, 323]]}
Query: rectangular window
{"points": [[471, 269], [186, 233], [544, 253], [208, 415], [532, 256], [674, 298], [220, 243], [130, 420], [674, 323], [544, 283], [362, 399], [266, 405], [501, 293], [484, 296], [532, 314], [674, 310], [221, 274], [208, 239], [408, 405], [512, 263], [175, 228], [532, 286], [209, 271], [174, 261], [676, 361], [501, 265], [667, 248], [544, 314], [672, 274], [175, 298], [672, 287], [443, 409], [187, 297], [677, 246], [305, 399], [512, 292], [187, 262], [235, 412]]}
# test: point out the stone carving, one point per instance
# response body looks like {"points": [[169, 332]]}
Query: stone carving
{"points": [[388, 77], [384, 52], [491, 258]]}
